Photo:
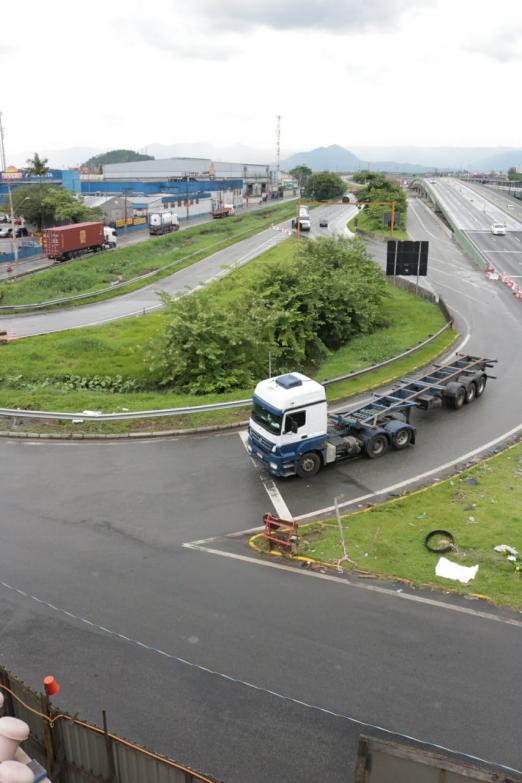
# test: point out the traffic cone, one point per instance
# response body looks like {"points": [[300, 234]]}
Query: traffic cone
{"points": [[11, 335]]}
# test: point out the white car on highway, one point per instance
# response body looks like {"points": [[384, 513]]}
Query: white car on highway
{"points": [[499, 229]]}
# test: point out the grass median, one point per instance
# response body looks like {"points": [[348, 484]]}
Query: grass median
{"points": [[161, 255], [106, 368], [364, 223], [480, 507]]}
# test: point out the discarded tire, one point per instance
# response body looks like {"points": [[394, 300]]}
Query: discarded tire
{"points": [[445, 546]]}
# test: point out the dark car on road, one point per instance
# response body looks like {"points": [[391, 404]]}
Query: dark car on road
{"points": [[323, 223]]}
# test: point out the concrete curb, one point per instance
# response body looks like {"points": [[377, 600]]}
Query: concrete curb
{"points": [[121, 435]]}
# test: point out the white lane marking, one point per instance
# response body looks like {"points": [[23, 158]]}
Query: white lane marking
{"points": [[283, 512], [391, 593], [419, 477]]}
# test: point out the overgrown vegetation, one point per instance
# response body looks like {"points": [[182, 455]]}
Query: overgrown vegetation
{"points": [[299, 309], [379, 193], [480, 507]]}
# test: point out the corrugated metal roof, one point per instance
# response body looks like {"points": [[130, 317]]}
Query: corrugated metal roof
{"points": [[182, 167]]}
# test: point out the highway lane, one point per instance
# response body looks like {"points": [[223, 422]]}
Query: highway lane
{"points": [[474, 211], [97, 532]]}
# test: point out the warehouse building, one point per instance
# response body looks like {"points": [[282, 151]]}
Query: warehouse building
{"points": [[191, 186]]}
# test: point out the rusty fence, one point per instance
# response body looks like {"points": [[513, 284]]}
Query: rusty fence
{"points": [[74, 751]]}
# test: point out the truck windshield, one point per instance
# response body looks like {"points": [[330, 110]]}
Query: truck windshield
{"points": [[270, 421]]}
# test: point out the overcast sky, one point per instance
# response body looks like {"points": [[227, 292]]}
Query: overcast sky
{"points": [[126, 73]]}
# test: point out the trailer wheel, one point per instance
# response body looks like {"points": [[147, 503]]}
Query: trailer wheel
{"points": [[471, 393], [308, 464], [457, 401], [401, 439], [481, 385], [376, 446]]}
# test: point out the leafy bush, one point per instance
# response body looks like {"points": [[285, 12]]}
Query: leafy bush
{"points": [[328, 293]]}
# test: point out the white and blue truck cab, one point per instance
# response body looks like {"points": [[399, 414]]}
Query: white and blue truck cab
{"points": [[291, 431]]}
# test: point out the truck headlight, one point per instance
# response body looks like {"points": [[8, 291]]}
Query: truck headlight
{"points": [[249, 448], [273, 465]]}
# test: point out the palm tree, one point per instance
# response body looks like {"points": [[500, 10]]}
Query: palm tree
{"points": [[37, 167]]}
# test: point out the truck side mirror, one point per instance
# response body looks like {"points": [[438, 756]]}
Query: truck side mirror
{"points": [[293, 426]]}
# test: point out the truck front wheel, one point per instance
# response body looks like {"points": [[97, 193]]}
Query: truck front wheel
{"points": [[308, 464]]}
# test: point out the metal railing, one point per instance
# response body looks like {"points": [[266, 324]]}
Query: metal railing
{"points": [[155, 414]]}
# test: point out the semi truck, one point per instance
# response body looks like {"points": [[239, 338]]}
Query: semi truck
{"points": [[64, 242], [291, 432], [163, 223], [223, 211]]}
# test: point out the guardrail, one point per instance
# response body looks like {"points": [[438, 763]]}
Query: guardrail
{"points": [[459, 236], [92, 294], [155, 414]]}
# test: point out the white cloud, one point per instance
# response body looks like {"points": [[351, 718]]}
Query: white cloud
{"points": [[108, 74]]}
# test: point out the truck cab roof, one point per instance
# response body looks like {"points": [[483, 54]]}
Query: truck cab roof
{"points": [[293, 390]]}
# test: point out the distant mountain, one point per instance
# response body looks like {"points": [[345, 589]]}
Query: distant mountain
{"points": [[337, 158], [114, 156], [471, 158], [332, 158], [502, 161]]}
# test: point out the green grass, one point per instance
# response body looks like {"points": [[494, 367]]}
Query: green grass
{"points": [[362, 222], [161, 254], [32, 367], [480, 507]]}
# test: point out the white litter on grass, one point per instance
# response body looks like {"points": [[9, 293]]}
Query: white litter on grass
{"points": [[505, 549], [449, 570]]}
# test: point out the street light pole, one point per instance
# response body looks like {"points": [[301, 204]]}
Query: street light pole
{"points": [[14, 243]]}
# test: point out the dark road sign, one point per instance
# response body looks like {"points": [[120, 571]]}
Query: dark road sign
{"points": [[407, 258]]}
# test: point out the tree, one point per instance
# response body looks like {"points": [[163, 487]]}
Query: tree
{"points": [[297, 308], [52, 206], [301, 174], [513, 175], [37, 167], [324, 186], [66, 208]]}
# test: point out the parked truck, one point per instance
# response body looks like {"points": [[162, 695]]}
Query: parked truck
{"points": [[291, 431], [163, 223], [64, 242]]}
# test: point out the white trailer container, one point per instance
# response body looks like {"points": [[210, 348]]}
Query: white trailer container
{"points": [[163, 223]]}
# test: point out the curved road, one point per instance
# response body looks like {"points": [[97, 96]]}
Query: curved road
{"points": [[185, 280], [243, 668]]}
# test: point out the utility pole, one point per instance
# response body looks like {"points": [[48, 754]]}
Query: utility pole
{"points": [[14, 243], [278, 149]]}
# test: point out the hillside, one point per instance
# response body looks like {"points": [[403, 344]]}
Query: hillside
{"points": [[114, 156], [337, 158]]}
